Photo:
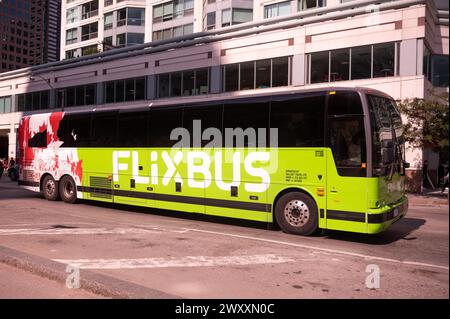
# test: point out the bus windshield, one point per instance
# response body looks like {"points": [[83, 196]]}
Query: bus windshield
{"points": [[387, 129]]}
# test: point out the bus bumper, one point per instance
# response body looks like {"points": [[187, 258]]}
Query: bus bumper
{"points": [[380, 219]]}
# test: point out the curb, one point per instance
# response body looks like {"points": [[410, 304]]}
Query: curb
{"points": [[90, 281]]}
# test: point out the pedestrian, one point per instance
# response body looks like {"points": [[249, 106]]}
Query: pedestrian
{"points": [[12, 162], [1, 169]]}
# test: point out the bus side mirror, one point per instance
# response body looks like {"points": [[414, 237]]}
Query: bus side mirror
{"points": [[405, 164]]}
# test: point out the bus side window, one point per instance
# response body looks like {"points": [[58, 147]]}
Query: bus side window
{"points": [[162, 121], [38, 140], [300, 121], [132, 129], [250, 115], [75, 130], [104, 129], [210, 116]]}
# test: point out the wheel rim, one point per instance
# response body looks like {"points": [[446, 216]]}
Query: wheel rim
{"points": [[296, 213], [50, 187], [68, 189]]}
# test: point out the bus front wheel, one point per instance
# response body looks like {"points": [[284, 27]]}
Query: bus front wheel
{"points": [[68, 190], [296, 213], [50, 188]]}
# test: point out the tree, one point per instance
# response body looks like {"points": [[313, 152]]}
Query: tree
{"points": [[427, 122]]}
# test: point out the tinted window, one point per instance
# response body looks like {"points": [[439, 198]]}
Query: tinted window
{"points": [[346, 134], [247, 114], [104, 127], [300, 121], [38, 140], [75, 130], [162, 121], [210, 116], [344, 103], [132, 129]]}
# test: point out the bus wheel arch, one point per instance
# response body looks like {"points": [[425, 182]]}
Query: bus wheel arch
{"points": [[49, 187], [296, 211], [68, 189]]}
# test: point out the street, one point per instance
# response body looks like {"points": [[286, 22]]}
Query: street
{"points": [[163, 255]]}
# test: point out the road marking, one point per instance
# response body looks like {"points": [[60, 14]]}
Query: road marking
{"points": [[333, 251], [187, 261], [81, 231]]}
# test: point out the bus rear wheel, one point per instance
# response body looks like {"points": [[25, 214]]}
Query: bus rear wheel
{"points": [[50, 188], [68, 190], [296, 213]]}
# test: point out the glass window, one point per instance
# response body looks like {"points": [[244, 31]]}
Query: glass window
{"points": [[162, 121], [210, 20], [108, 21], [277, 9], [210, 116], [310, 4], [109, 92], [175, 84], [135, 38], [361, 62], [346, 134], [71, 36], [163, 85], [5, 104], [383, 60], [75, 130], [300, 121], [263, 68], [188, 82], [247, 76], [246, 114], [132, 129], [136, 16], [319, 67], [140, 88], [121, 39], [242, 15], [340, 63], [188, 29], [439, 69], [89, 94], [129, 90], [178, 31], [280, 71], [104, 127], [226, 17], [119, 91], [231, 74], [201, 82]]}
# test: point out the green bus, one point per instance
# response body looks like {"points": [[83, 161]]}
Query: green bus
{"points": [[306, 160]]}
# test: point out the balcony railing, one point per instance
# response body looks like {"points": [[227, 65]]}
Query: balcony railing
{"points": [[89, 36], [89, 14]]}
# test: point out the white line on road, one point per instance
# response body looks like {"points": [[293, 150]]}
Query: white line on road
{"points": [[80, 231], [333, 251], [187, 261]]}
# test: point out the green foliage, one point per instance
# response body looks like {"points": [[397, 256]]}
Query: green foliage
{"points": [[427, 121]]}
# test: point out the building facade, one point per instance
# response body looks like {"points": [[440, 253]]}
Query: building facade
{"points": [[399, 47], [29, 33]]}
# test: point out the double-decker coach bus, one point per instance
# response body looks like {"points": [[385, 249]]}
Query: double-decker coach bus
{"points": [[316, 159]]}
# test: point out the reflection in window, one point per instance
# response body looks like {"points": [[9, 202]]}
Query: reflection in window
{"points": [[191, 82], [269, 73], [361, 57], [125, 90], [5, 104], [383, 60], [340, 64], [365, 62], [277, 9], [435, 68]]}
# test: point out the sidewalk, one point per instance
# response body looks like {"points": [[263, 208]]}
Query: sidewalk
{"points": [[429, 198]]}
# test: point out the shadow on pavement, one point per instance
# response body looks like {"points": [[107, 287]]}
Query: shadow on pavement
{"points": [[401, 230]]}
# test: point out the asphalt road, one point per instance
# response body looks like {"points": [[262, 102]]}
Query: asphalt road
{"points": [[199, 258]]}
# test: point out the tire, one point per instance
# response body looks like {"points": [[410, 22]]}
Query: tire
{"points": [[68, 190], [296, 213], [50, 188]]}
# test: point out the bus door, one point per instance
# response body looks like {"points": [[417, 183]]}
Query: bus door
{"points": [[131, 161], [347, 165]]}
